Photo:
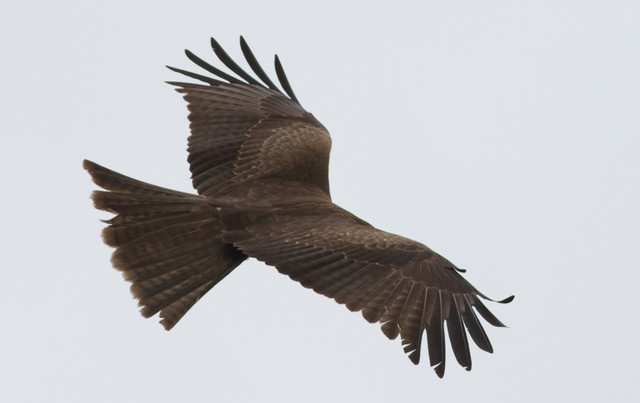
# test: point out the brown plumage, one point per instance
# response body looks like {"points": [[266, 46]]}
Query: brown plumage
{"points": [[259, 162]]}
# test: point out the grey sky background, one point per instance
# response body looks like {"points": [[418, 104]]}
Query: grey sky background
{"points": [[502, 134]]}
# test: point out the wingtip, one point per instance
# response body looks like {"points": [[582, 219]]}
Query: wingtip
{"points": [[501, 301], [414, 356], [176, 84], [244, 46], [214, 44], [174, 69]]}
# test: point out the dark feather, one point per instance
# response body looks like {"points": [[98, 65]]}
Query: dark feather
{"points": [[255, 66], [228, 61], [210, 68], [259, 162], [282, 77], [473, 325], [435, 337], [457, 335]]}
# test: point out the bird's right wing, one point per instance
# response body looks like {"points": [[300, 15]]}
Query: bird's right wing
{"points": [[393, 280]]}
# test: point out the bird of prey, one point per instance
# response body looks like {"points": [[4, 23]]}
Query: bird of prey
{"points": [[259, 162]]}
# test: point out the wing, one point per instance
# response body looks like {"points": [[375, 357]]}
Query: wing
{"points": [[243, 129], [398, 282], [262, 160]]}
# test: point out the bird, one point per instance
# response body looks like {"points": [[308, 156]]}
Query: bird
{"points": [[259, 163]]}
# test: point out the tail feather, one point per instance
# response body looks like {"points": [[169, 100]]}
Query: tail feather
{"points": [[168, 243], [119, 234]]}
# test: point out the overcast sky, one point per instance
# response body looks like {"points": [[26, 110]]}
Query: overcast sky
{"points": [[505, 135]]}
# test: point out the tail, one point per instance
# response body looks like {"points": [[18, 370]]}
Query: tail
{"points": [[168, 243]]}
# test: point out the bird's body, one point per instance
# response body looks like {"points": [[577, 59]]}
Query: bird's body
{"points": [[259, 162]]}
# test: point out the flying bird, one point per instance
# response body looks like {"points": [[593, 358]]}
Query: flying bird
{"points": [[259, 162]]}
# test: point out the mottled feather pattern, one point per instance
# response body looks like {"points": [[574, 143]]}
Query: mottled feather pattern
{"points": [[259, 163]]}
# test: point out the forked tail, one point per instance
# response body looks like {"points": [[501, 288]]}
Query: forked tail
{"points": [[168, 243]]}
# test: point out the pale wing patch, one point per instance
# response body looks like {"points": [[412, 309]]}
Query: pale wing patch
{"points": [[291, 150]]}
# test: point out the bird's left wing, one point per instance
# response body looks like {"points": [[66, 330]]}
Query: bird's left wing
{"points": [[244, 128]]}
